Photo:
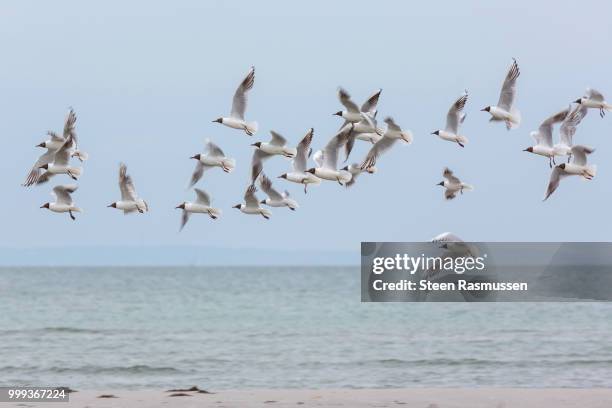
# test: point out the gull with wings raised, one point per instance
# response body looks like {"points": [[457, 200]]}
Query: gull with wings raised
{"points": [[236, 118]]}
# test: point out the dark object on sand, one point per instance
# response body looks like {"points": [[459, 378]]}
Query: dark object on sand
{"points": [[179, 394], [192, 389], [67, 390], [107, 396]]}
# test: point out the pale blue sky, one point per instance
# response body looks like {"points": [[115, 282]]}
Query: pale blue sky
{"points": [[146, 78]]}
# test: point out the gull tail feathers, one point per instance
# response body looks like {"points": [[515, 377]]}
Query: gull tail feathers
{"points": [[590, 172], [515, 119], [82, 156], [251, 128], [462, 139], [214, 213], [407, 136], [229, 165], [76, 171], [467, 187]]}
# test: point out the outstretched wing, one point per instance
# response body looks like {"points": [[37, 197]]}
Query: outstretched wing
{"points": [[571, 122], [580, 152], [239, 102], [277, 139], [214, 150], [250, 198], [202, 197], [257, 163], [555, 177], [379, 148], [300, 161], [369, 106], [508, 91], [62, 193], [266, 185], [330, 152], [545, 131], [126, 185], [184, 219], [69, 126], [594, 95], [455, 114], [345, 99], [448, 174]]}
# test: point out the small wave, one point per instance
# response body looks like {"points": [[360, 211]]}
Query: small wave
{"points": [[138, 369], [56, 329]]}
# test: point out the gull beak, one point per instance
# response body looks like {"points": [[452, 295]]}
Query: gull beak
{"points": [[483, 110], [40, 145], [579, 100]]}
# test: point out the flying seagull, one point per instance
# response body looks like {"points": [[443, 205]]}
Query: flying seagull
{"points": [[544, 137], [200, 206], [567, 131], [60, 163], [130, 202], [594, 99], [299, 174], [251, 204], [578, 167], [505, 110], [453, 185], [63, 201], [454, 118], [214, 157], [391, 135], [276, 199], [327, 160], [239, 103]]}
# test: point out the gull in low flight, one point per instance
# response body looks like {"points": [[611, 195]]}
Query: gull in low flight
{"points": [[200, 206], [578, 167], [567, 131], [454, 118], [327, 160], [355, 170], [53, 145], [239, 103], [251, 205], [453, 185], [130, 202], [56, 141], [63, 201], [391, 135], [214, 157], [264, 150], [594, 99], [60, 163], [299, 174], [353, 113], [276, 146], [505, 110], [275, 199], [544, 137]]}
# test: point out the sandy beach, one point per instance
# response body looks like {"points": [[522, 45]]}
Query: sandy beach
{"points": [[417, 397]]}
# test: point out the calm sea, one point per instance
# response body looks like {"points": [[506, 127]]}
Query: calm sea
{"points": [[97, 328]]}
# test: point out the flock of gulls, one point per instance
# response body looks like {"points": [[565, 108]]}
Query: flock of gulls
{"points": [[359, 123]]}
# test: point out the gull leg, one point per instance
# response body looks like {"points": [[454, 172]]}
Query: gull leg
{"points": [[71, 175], [553, 160], [549, 163], [71, 215], [339, 182], [305, 186], [569, 158], [602, 112]]}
